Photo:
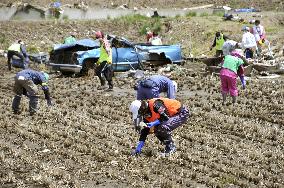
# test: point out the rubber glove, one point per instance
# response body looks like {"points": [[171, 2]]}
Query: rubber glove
{"points": [[142, 125], [139, 147], [243, 82], [154, 123]]}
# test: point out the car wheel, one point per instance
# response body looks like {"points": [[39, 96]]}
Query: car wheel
{"points": [[86, 66]]}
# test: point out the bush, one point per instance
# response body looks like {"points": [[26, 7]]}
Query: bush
{"points": [[177, 16], [65, 17], [204, 14], [154, 24], [33, 48], [191, 14], [132, 18], [218, 13]]}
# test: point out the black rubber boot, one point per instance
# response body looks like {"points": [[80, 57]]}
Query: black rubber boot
{"points": [[15, 104], [110, 86], [103, 84], [170, 147]]}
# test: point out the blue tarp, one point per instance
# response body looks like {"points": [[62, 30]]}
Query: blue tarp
{"points": [[246, 10], [84, 42]]}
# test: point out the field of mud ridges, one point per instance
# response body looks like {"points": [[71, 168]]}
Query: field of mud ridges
{"points": [[86, 138]]}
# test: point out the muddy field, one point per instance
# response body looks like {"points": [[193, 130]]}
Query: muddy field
{"points": [[86, 138]]}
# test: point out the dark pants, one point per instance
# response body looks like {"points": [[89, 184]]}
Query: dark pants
{"points": [[164, 131], [144, 93], [28, 88], [248, 53], [218, 53], [11, 54], [105, 71]]}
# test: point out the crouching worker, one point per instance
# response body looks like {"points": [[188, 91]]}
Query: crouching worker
{"points": [[231, 69], [26, 82], [151, 87], [161, 116]]}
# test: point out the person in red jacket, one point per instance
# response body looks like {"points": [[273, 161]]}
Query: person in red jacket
{"points": [[161, 116]]}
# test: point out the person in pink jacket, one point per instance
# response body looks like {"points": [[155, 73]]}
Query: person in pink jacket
{"points": [[260, 37], [232, 67]]}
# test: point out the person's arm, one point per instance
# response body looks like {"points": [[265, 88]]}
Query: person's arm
{"points": [[214, 44], [160, 108], [263, 33], [107, 46], [108, 49], [225, 37], [23, 50], [241, 75], [143, 135]]}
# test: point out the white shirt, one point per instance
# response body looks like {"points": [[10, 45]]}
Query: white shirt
{"points": [[258, 32], [228, 46], [156, 41], [248, 40]]}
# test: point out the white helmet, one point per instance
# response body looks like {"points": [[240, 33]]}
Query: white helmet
{"points": [[134, 107], [175, 85]]}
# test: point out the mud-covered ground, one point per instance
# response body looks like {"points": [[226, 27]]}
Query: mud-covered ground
{"points": [[86, 138]]}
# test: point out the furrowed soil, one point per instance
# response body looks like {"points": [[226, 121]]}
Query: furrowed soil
{"points": [[86, 138]]}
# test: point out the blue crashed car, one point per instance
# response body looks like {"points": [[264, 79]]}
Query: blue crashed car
{"points": [[79, 57]]}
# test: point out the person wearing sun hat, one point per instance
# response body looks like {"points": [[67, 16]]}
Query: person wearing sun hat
{"points": [[26, 82], [248, 42]]}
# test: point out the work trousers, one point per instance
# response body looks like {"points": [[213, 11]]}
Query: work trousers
{"points": [[164, 131], [10, 56], [105, 72], [28, 88]]}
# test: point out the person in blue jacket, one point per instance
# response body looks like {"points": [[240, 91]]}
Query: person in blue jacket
{"points": [[26, 82], [153, 86]]}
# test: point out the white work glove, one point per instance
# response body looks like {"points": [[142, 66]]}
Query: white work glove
{"points": [[142, 125]]}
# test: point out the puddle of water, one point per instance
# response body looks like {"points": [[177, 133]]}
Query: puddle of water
{"points": [[7, 13]]}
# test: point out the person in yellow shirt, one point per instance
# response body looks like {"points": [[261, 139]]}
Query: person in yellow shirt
{"points": [[104, 68], [16, 49], [218, 42]]}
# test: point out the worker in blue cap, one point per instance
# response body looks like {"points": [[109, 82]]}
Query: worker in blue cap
{"points": [[26, 82]]}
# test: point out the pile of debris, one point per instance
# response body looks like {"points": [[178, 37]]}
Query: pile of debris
{"points": [[267, 65]]}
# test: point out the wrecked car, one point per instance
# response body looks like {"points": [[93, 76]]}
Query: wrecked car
{"points": [[81, 56]]}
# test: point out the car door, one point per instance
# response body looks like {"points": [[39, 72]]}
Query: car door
{"points": [[124, 58]]}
